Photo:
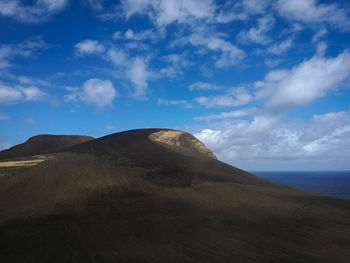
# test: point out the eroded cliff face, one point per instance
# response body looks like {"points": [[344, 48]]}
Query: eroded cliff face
{"points": [[181, 139]]}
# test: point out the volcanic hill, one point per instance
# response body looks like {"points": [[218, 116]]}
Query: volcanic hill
{"points": [[160, 195], [43, 144]]}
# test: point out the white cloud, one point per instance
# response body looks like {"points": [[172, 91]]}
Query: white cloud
{"points": [[89, 46], [176, 64], [38, 11], [272, 145], [241, 10], [199, 85], [321, 49], [117, 57], [149, 34], [95, 4], [9, 95], [133, 69], [184, 103], [279, 48], [131, 7], [5, 53], [138, 74], [272, 62], [164, 12], [117, 35], [181, 11], [224, 115], [255, 6], [31, 81], [16, 94], [276, 75], [96, 92], [236, 139], [267, 143], [112, 127], [23, 49], [310, 11], [33, 94], [233, 97], [229, 53], [129, 34], [258, 34], [320, 33], [304, 83]]}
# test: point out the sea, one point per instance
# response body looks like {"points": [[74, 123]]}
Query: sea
{"points": [[333, 183]]}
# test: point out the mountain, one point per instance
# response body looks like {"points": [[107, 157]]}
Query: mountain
{"points": [[43, 144], [160, 195]]}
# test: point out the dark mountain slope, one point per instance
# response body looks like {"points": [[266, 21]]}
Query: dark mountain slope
{"points": [[43, 144], [145, 196]]}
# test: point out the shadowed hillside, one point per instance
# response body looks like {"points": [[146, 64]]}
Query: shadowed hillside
{"points": [[158, 195], [42, 144]]}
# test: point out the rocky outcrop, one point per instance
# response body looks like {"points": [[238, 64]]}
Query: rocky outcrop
{"points": [[181, 139]]}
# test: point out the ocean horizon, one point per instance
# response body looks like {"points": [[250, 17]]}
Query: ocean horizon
{"points": [[332, 183]]}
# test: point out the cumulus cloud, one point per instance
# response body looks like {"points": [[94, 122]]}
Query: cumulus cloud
{"points": [[98, 92], [272, 62], [138, 74], [228, 138], [164, 12], [258, 34], [266, 141], [310, 80], [33, 94], [89, 46], [16, 94], [176, 63], [233, 97], [279, 48], [241, 10], [117, 35], [95, 92], [229, 54], [132, 69], [117, 56], [37, 11], [270, 144], [311, 11]]}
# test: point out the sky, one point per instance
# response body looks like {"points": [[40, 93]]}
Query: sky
{"points": [[265, 84]]}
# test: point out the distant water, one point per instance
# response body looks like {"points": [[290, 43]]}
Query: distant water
{"points": [[330, 183]]}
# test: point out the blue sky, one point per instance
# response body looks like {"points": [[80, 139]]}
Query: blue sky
{"points": [[264, 83]]}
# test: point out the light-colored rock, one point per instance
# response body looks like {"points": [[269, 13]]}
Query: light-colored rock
{"points": [[181, 139]]}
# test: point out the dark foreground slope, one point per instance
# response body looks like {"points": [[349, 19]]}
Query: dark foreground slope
{"points": [[145, 196], [43, 144]]}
